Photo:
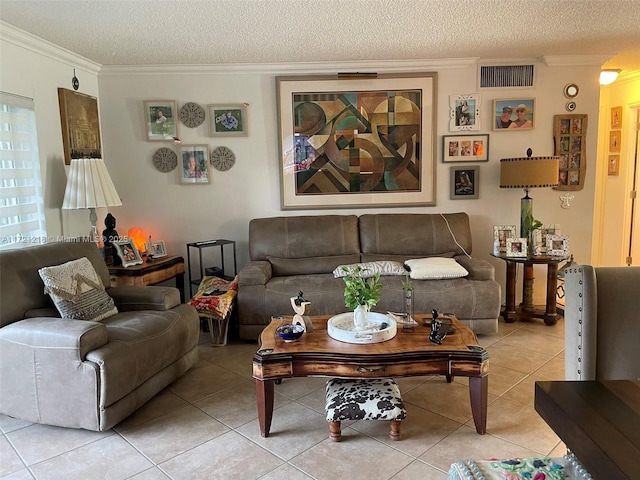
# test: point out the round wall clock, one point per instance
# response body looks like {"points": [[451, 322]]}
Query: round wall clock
{"points": [[571, 90], [165, 159], [222, 158], [191, 114]]}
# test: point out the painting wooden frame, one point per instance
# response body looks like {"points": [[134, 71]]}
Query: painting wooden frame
{"points": [[464, 113], [501, 233], [128, 252], [335, 140], [228, 120], [465, 148], [465, 183], [161, 120], [615, 140], [570, 141], [613, 165], [616, 118], [194, 165], [80, 125], [517, 247], [159, 249], [501, 106], [558, 245]]}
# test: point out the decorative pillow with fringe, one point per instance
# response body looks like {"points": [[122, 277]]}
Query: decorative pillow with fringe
{"points": [[369, 269], [77, 291]]}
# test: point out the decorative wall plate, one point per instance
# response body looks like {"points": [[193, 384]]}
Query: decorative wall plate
{"points": [[222, 158], [570, 106], [191, 114], [165, 159], [571, 90]]}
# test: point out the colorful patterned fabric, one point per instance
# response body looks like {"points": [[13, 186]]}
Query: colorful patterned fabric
{"points": [[540, 468], [215, 297]]}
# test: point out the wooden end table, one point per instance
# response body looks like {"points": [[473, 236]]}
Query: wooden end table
{"points": [[407, 354], [527, 309], [150, 273]]}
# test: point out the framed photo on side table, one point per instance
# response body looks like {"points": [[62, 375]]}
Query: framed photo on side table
{"points": [[558, 245], [465, 148], [516, 247], [501, 233], [161, 120], [158, 250], [465, 183], [128, 252]]}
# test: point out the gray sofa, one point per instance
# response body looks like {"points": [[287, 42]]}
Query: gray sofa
{"points": [[602, 323], [86, 374], [289, 254]]}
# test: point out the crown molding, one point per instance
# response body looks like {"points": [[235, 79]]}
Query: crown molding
{"points": [[364, 66], [575, 60], [20, 38]]}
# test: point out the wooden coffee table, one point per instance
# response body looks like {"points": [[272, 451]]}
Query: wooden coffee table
{"points": [[407, 354]]}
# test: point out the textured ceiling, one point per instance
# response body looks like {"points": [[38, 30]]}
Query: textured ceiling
{"points": [[157, 32]]}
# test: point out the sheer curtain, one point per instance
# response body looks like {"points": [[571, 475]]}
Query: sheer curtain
{"points": [[22, 221]]}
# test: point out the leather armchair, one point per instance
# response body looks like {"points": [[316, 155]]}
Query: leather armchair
{"points": [[602, 323]]}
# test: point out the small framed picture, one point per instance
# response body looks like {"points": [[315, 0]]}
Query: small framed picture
{"points": [[616, 118], [501, 233], [228, 120], [614, 165], [195, 164], [465, 148], [128, 252], [516, 114], [464, 113], [158, 249], [161, 120], [464, 183], [614, 141], [558, 245], [516, 247]]}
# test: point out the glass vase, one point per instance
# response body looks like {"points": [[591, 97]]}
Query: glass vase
{"points": [[407, 320]]}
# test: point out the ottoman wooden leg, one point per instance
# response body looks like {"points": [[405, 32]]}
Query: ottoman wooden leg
{"points": [[394, 429], [335, 432]]}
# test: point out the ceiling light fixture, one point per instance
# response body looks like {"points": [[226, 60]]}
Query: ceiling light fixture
{"points": [[607, 77]]}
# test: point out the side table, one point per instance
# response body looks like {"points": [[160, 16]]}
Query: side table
{"points": [[150, 273], [220, 243], [527, 309]]}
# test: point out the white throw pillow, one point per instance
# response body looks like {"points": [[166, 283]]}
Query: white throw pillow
{"points": [[369, 269], [435, 268], [77, 291]]}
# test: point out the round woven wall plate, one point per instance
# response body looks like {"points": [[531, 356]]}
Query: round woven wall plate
{"points": [[191, 114], [222, 158], [165, 159]]}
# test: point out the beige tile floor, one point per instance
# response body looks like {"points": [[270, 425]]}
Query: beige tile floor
{"points": [[204, 425]]}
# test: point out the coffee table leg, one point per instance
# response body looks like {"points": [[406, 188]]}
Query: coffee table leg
{"points": [[478, 390], [264, 397]]}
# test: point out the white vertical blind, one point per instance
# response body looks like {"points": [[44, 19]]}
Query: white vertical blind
{"points": [[21, 202]]}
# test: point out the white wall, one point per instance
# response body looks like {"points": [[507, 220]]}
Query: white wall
{"points": [[179, 214]]}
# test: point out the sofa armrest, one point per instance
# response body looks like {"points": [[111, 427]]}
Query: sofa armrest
{"points": [[255, 273], [132, 298], [478, 269]]}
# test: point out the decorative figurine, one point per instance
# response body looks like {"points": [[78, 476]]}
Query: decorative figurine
{"points": [[109, 235], [302, 309], [438, 333]]}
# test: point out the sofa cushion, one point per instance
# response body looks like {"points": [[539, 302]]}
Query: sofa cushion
{"points": [[435, 268], [369, 269], [304, 266], [77, 291]]}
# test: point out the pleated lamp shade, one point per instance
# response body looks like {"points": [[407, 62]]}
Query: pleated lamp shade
{"points": [[89, 185]]}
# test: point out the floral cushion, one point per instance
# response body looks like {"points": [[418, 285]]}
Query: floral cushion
{"points": [[215, 297], [367, 399], [540, 468]]}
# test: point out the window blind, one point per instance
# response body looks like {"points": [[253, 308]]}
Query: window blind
{"points": [[22, 221]]}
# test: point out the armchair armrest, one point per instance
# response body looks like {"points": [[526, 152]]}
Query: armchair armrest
{"points": [[255, 273], [478, 269], [131, 298]]}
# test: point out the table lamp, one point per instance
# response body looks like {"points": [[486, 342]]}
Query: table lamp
{"points": [[526, 173], [89, 186]]}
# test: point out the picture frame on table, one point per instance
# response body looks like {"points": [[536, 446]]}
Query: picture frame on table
{"points": [[128, 252], [465, 148], [501, 233], [558, 245], [355, 165], [158, 249], [517, 247], [228, 120], [514, 114], [194, 165], [465, 183], [616, 118], [161, 120], [464, 113]]}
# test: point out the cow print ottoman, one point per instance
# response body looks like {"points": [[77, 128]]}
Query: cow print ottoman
{"points": [[365, 399]]}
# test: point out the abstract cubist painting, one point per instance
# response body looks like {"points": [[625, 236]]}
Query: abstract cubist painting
{"points": [[359, 146]]}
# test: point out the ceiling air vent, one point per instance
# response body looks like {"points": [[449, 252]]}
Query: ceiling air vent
{"points": [[500, 76]]}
